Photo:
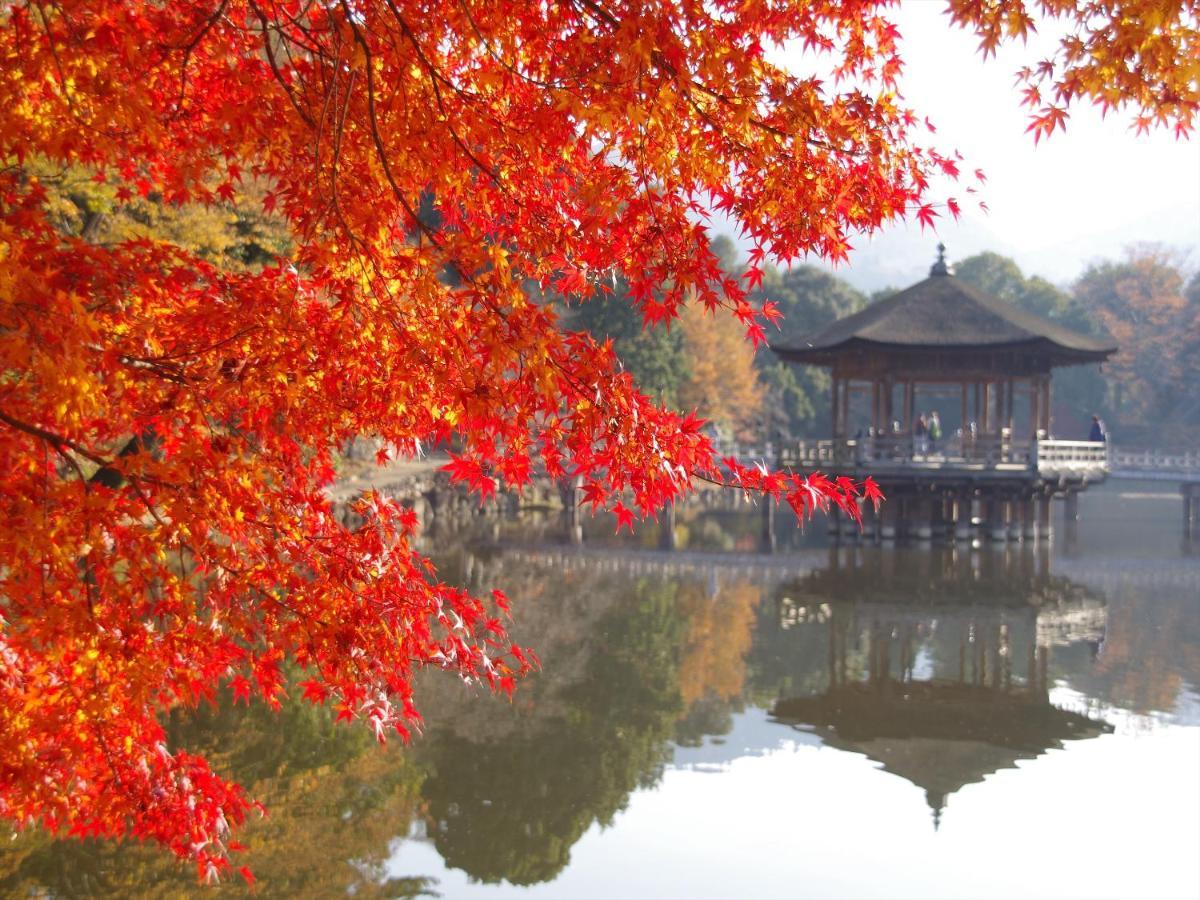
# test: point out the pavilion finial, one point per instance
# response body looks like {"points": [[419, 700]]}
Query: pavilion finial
{"points": [[937, 802], [941, 267]]}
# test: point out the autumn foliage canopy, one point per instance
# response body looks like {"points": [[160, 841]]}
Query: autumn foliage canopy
{"points": [[168, 425]]}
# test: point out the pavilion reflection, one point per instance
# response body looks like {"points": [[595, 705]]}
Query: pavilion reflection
{"points": [[940, 672]]}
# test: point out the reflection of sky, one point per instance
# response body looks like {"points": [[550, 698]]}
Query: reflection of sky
{"points": [[753, 734], [801, 820]]}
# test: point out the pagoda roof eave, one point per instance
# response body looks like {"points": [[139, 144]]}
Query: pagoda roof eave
{"points": [[830, 355]]}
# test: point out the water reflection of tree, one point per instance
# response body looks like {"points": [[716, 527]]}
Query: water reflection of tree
{"points": [[511, 809], [1150, 653], [629, 664], [335, 803]]}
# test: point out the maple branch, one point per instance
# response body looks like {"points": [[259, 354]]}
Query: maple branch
{"points": [[64, 82], [434, 76], [184, 354], [600, 12], [376, 137], [55, 440], [190, 48], [287, 88], [505, 64]]}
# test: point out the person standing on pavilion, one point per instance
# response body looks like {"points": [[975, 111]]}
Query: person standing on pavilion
{"points": [[935, 431], [1098, 432], [921, 436]]}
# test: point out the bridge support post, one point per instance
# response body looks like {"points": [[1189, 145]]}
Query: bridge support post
{"points": [[1191, 510], [889, 515], [1071, 522], [1071, 507], [667, 539], [1043, 516], [767, 539], [962, 509], [869, 520], [921, 516], [1015, 520], [1028, 520], [943, 515], [572, 495], [997, 517], [850, 528]]}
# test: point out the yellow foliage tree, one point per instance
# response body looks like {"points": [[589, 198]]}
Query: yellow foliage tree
{"points": [[722, 379]]}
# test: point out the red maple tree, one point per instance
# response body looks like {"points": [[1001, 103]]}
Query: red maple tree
{"points": [[168, 426]]}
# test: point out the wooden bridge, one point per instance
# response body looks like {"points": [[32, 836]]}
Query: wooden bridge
{"points": [[1155, 465]]}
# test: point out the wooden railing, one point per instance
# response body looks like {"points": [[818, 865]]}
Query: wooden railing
{"points": [[966, 451], [1044, 454], [1185, 463]]}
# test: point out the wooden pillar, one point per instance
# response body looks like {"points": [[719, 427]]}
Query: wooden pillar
{"points": [[572, 497], [1043, 668], [667, 539], [1071, 507], [908, 407], [997, 519], [985, 413], [922, 518], [889, 515], [833, 655], [767, 538], [962, 525], [1035, 389], [846, 408], [869, 521], [1014, 518], [1031, 677], [1028, 519], [1046, 404], [943, 515], [835, 406], [964, 423], [1043, 516]]}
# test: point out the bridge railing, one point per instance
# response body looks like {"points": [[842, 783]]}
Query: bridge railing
{"points": [[1053, 454], [1186, 462]]}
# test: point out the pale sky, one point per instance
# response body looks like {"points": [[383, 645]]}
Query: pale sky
{"points": [[1083, 195]]}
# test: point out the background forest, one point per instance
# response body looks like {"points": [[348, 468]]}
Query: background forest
{"points": [[1149, 302]]}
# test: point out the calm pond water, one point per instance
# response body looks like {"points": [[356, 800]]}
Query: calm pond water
{"points": [[716, 722]]}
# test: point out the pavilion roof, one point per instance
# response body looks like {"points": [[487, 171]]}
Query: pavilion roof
{"points": [[943, 313], [938, 735]]}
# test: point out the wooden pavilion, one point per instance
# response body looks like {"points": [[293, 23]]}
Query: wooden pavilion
{"points": [[985, 366]]}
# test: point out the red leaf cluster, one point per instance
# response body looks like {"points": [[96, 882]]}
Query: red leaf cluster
{"points": [[168, 427]]}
